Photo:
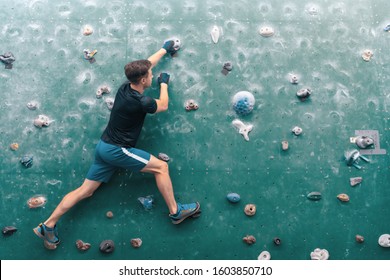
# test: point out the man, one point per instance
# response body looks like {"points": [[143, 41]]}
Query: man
{"points": [[116, 148]]}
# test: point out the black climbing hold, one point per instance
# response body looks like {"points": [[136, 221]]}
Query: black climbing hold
{"points": [[314, 196], [227, 67], [277, 241], [107, 246], [7, 58], [9, 230], [26, 161]]}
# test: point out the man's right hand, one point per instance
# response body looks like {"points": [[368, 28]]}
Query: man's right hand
{"points": [[163, 78], [169, 47]]}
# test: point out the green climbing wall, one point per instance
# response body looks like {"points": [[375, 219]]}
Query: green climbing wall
{"points": [[320, 41]]}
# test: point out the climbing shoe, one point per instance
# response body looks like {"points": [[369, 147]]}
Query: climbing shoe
{"points": [[50, 235], [184, 211]]}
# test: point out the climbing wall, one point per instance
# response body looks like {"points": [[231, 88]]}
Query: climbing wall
{"points": [[320, 42]]}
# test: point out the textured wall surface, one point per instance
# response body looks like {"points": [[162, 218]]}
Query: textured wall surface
{"points": [[320, 41]]}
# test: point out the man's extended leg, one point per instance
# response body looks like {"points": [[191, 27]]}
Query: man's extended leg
{"points": [[47, 230], [178, 212]]}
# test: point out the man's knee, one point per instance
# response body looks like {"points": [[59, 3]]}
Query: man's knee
{"points": [[163, 167]]}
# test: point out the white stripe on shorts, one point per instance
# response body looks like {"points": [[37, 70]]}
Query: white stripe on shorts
{"points": [[135, 156]]}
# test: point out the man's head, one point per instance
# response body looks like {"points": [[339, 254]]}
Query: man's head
{"points": [[139, 72]]}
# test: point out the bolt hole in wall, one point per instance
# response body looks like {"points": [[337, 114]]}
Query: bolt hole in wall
{"points": [[269, 103]]}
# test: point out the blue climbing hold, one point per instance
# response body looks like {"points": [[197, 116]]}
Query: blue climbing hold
{"points": [[147, 202], [27, 161], [387, 28], [243, 102], [233, 197]]}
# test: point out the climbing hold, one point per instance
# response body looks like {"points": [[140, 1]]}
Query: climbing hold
{"points": [[215, 34], [104, 89], [364, 142], [294, 79], [243, 129], [367, 55], [304, 93], [7, 58], [88, 30], [343, 197], [109, 214], [9, 230], [233, 197], [110, 103], [250, 209], [227, 67], [265, 255], [49, 245], [314, 196], [355, 181], [387, 28], [107, 246], [249, 239], [26, 161], [297, 130], [42, 121], [147, 202], [319, 254], [36, 201], [136, 242], [33, 105], [266, 31], [384, 240], [14, 146], [359, 238], [191, 105], [277, 241], [352, 158], [82, 246], [163, 157], [284, 145], [89, 55], [243, 102]]}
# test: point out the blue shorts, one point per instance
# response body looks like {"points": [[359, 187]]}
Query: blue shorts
{"points": [[108, 158]]}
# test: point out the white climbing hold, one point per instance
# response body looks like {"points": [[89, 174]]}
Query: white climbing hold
{"points": [[104, 89], [384, 240], [215, 33], [319, 254], [42, 120], [243, 129], [367, 54], [297, 130], [266, 31], [265, 255]]}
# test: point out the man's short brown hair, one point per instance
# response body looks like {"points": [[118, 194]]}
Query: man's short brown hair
{"points": [[136, 70]]}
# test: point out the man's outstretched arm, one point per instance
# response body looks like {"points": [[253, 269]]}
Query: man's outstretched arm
{"points": [[168, 47]]}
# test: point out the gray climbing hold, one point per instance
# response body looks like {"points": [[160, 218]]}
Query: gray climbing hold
{"points": [[9, 230], [294, 79], [110, 103], [32, 105], [355, 181], [277, 241], [304, 93], [233, 197], [314, 196], [163, 157], [89, 55], [104, 89], [7, 58], [136, 242], [191, 105], [27, 161], [42, 121], [107, 246], [387, 28], [352, 158], [364, 142], [82, 246], [249, 239]]}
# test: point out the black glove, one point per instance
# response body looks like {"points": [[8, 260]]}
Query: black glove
{"points": [[163, 78]]}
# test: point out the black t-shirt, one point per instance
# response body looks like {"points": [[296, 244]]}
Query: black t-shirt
{"points": [[127, 117]]}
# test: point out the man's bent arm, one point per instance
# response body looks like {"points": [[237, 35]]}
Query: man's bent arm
{"points": [[162, 102], [155, 58]]}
